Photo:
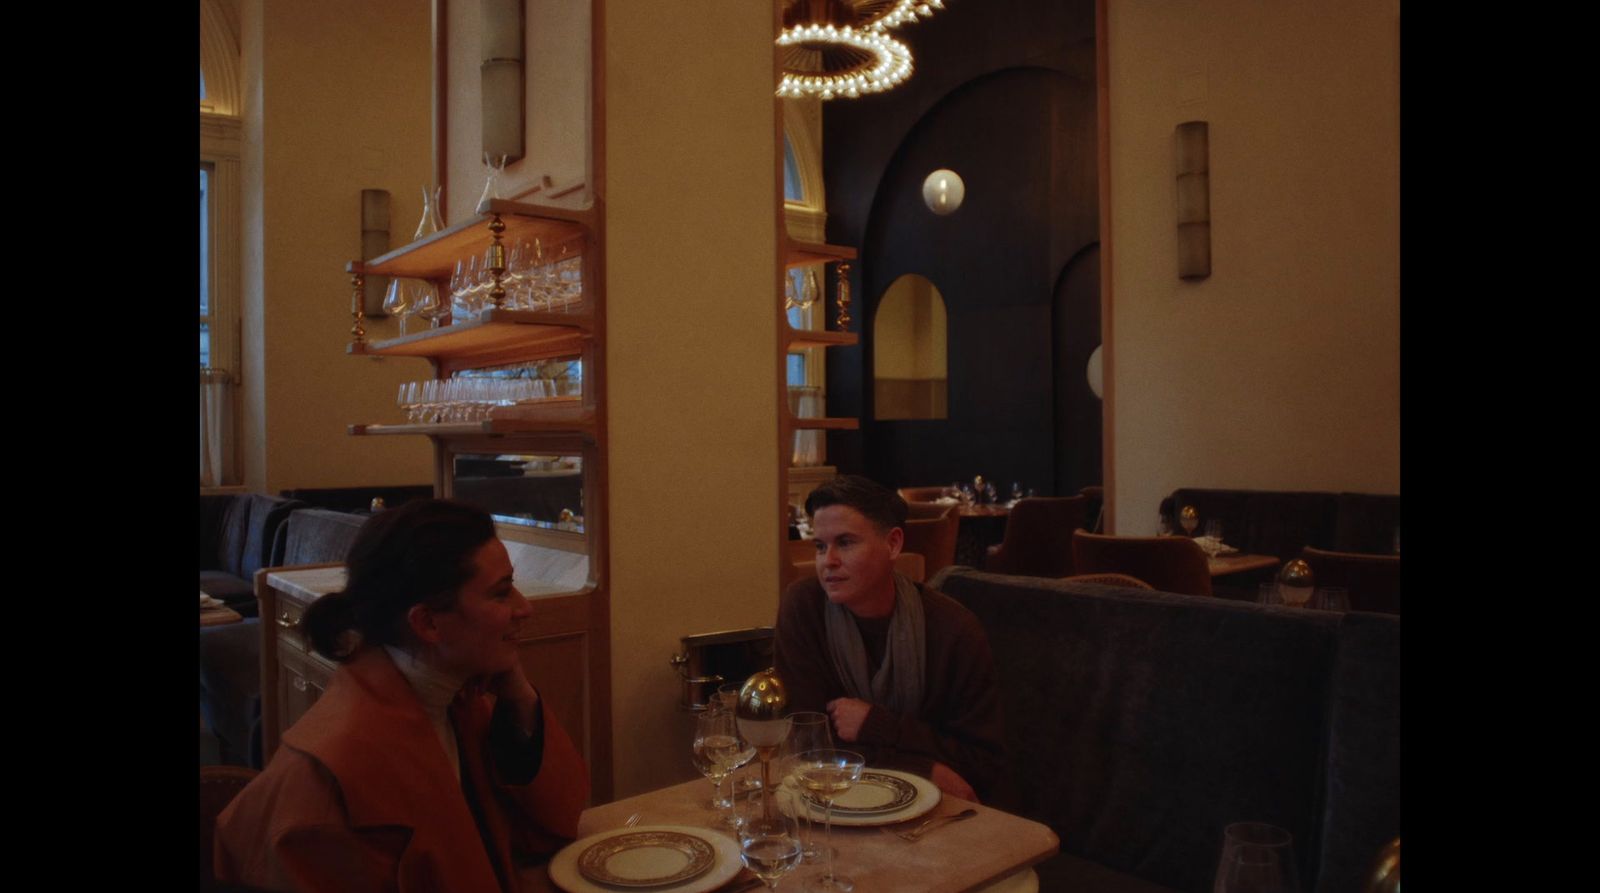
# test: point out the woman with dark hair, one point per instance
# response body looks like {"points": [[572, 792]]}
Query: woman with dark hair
{"points": [[430, 757]]}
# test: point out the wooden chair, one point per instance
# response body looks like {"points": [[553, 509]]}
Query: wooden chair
{"points": [[1167, 563], [218, 786], [1109, 580], [921, 494], [922, 511], [1038, 537], [934, 538], [911, 564], [1373, 581]]}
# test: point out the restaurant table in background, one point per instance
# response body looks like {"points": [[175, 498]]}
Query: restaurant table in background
{"points": [[960, 856], [981, 527], [1237, 576], [215, 613]]}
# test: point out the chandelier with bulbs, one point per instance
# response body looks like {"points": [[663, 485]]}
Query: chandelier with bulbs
{"points": [[841, 48]]}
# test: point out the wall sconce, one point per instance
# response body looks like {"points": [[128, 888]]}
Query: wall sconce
{"points": [[943, 191], [1194, 200], [502, 79], [374, 241]]}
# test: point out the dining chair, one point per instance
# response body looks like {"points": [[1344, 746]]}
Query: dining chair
{"points": [[911, 564], [1109, 580], [1373, 581], [218, 786], [934, 538], [921, 494], [1166, 563], [1038, 537]]}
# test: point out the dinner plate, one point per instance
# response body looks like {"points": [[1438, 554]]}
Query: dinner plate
{"points": [[876, 792], [647, 857], [926, 799]]}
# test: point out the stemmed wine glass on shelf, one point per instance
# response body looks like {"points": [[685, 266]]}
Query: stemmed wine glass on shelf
{"points": [[825, 774], [397, 301]]}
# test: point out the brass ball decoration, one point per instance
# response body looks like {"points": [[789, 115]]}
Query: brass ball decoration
{"points": [[1297, 573], [763, 697], [1189, 513]]}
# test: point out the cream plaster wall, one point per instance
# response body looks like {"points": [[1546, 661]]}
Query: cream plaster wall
{"points": [[556, 121], [691, 269], [1281, 370], [336, 102]]}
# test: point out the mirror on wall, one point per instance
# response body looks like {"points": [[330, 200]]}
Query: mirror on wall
{"points": [[525, 490], [909, 359]]}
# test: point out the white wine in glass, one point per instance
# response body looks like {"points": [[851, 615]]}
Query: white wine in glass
{"points": [[826, 774]]}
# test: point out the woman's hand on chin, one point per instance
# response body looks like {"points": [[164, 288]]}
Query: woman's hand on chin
{"points": [[513, 686]]}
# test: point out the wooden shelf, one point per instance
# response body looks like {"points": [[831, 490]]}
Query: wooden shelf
{"points": [[801, 339], [435, 256], [803, 254], [529, 334], [825, 424], [538, 419]]}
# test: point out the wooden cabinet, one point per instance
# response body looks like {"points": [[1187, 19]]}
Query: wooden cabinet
{"points": [[562, 572], [799, 481]]}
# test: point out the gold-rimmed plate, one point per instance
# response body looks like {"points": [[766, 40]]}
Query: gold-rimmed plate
{"points": [[876, 792], [564, 873], [643, 859], [926, 800]]}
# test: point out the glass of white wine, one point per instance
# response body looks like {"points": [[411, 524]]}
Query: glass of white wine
{"points": [[808, 731], [769, 839], [718, 751], [825, 774]]}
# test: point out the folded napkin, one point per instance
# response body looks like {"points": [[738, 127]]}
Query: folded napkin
{"points": [[947, 500], [1213, 546], [207, 601]]}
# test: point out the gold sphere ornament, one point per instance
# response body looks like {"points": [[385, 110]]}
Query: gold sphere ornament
{"points": [[1189, 513], [1297, 573], [763, 697]]}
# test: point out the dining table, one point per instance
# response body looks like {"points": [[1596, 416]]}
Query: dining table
{"points": [[982, 525], [214, 613], [992, 851]]}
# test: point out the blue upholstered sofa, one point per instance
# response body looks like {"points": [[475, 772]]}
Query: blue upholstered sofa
{"points": [[230, 655], [1139, 724]]}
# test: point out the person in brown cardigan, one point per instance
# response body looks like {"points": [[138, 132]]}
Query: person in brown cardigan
{"points": [[904, 671], [431, 762]]}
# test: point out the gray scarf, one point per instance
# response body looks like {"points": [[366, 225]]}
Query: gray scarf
{"points": [[898, 682]]}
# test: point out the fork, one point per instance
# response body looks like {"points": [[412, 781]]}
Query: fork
{"points": [[917, 833], [633, 820]]}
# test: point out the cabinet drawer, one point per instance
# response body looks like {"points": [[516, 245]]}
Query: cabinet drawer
{"points": [[288, 614]]}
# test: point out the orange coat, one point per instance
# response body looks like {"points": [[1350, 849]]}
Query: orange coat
{"points": [[361, 796]]}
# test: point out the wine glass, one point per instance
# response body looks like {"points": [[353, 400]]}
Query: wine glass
{"points": [[1189, 518], [826, 774], [718, 751], [808, 731], [769, 840], [397, 301], [728, 696], [1256, 858], [1214, 530], [425, 298]]}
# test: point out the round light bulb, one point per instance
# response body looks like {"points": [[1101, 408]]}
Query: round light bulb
{"points": [[943, 191]]}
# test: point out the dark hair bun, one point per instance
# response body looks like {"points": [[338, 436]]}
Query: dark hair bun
{"points": [[327, 620]]}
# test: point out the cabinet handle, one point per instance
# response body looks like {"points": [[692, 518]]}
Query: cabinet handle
{"points": [[299, 683], [286, 623]]}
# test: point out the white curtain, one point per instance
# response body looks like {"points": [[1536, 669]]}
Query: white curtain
{"points": [[806, 403], [216, 425]]}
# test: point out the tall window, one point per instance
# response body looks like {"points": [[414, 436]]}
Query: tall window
{"points": [[205, 267]]}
